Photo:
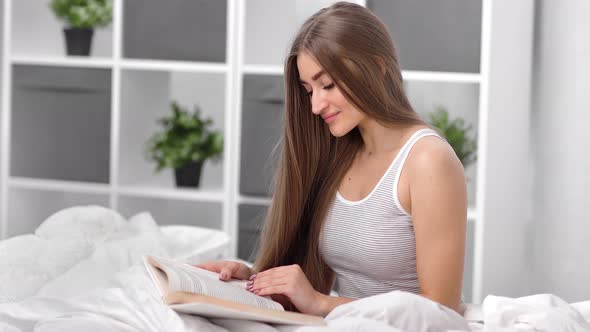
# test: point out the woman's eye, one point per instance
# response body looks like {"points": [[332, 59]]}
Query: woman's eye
{"points": [[326, 87]]}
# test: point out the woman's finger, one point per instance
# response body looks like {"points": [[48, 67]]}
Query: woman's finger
{"points": [[210, 266], [227, 269], [267, 282], [277, 272], [272, 290], [226, 272]]}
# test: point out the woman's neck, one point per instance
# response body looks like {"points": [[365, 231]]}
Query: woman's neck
{"points": [[379, 139]]}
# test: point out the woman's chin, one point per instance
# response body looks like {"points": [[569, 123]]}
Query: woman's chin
{"points": [[337, 131]]}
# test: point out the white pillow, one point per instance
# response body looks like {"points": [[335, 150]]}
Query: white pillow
{"points": [[122, 249], [27, 262], [195, 245], [91, 222], [21, 247], [19, 280], [141, 236]]}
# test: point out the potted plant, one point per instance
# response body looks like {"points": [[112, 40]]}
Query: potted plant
{"points": [[457, 134], [81, 17], [184, 144]]}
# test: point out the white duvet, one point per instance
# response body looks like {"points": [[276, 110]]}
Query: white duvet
{"points": [[81, 271], [541, 312]]}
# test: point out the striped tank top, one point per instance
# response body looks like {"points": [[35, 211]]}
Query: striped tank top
{"points": [[370, 244]]}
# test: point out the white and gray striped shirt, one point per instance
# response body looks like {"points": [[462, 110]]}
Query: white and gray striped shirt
{"points": [[370, 244]]}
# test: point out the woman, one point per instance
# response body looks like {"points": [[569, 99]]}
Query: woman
{"points": [[367, 197]]}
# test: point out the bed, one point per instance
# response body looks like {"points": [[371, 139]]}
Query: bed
{"points": [[81, 271]]}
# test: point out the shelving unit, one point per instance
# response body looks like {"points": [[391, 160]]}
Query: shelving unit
{"points": [[73, 129]]}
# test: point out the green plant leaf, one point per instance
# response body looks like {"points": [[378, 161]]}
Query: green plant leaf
{"points": [[184, 137], [457, 133], [83, 13]]}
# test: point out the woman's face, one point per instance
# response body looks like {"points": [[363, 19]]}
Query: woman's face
{"points": [[326, 99]]}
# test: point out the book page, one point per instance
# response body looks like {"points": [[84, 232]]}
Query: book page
{"points": [[187, 278]]}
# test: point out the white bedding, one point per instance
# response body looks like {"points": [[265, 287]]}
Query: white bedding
{"points": [[81, 271], [540, 312], [131, 303], [81, 248]]}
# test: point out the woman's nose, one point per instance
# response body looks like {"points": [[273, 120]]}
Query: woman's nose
{"points": [[318, 103]]}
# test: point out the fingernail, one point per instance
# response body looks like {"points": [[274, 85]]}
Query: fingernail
{"points": [[224, 275], [252, 276], [249, 286], [249, 283], [256, 291]]}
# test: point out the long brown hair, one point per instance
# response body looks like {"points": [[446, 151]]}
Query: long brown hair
{"points": [[353, 46]]}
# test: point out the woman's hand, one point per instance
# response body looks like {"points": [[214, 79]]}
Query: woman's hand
{"points": [[291, 282], [228, 269]]}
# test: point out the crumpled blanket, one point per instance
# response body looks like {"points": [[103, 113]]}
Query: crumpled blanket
{"points": [[82, 271], [540, 312], [74, 250], [131, 303]]}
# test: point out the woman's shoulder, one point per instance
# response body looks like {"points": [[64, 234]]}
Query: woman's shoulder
{"points": [[432, 155]]}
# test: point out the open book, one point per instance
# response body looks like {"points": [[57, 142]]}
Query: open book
{"points": [[192, 290]]}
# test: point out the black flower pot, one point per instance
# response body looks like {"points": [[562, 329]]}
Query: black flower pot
{"points": [[188, 175], [78, 40]]}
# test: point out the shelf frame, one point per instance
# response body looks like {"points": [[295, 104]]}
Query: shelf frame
{"points": [[231, 129], [197, 195], [62, 61], [58, 185], [169, 65], [235, 69], [6, 115], [116, 103], [482, 139]]}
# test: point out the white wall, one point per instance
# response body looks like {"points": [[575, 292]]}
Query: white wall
{"points": [[560, 232]]}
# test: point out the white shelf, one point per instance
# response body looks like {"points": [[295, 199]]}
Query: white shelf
{"points": [[62, 61], [254, 200], [408, 75], [98, 62], [471, 214], [165, 65], [263, 69], [500, 87], [201, 195], [433, 76], [58, 185]]}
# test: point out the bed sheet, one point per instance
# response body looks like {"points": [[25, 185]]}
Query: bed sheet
{"points": [[81, 270], [131, 303], [81, 248]]}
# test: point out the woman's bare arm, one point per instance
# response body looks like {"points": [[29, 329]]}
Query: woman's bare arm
{"points": [[438, 205]]}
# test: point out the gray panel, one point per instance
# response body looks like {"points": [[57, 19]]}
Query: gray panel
{"points": [[173, 212], [61, 123], [27, 209], [188, 30], [468, 270], [250, 225], [433, 35], [262, 119], [1, 60]]}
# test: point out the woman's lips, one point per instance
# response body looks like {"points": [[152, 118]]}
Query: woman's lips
{"points": [[330, 117]]}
